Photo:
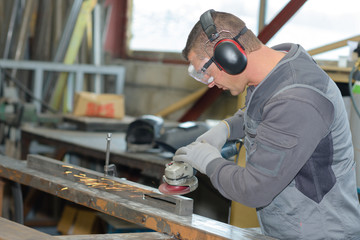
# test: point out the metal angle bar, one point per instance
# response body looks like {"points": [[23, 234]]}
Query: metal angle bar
{"points": [[69, 27], [79, 81], [41, 39], [120, 80], [38, 83], [8, 41], [97, 46], [70, 90], [24, 29], [65, 39], [60, 67], [126, 189], [262, 14], [10, 29], [79, 69], [72, 51], [179, 227]]}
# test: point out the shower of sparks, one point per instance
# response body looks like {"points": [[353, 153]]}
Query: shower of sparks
{"points": [[103, 183]]}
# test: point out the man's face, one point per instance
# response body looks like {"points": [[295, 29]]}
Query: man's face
{"points": [[234, 83]]}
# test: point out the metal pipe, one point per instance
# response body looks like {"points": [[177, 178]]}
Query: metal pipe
{"points": [[106, 167], [18, 202]]}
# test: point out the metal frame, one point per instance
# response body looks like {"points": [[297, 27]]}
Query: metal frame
{"points": [[78, 69]]}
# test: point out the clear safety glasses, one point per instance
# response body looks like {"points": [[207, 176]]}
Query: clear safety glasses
{"points": [[201, 76]]}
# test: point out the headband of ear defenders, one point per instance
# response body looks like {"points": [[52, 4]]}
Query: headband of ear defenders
{"points": [[208, 25]]}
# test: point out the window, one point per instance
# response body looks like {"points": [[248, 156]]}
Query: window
{"points": [[318, 23], [163, 26]]}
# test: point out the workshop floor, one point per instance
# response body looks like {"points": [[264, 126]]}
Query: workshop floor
{"points": [[48, 230]]}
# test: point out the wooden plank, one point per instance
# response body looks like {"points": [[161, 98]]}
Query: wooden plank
{"points": [[333, 46], [338, 74], [179, 227], [182, 102], [13, 231]]}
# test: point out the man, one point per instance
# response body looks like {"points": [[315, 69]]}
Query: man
{"points": [[300, 170]]}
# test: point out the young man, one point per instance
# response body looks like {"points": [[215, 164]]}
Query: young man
{"points": [[300, 171]]}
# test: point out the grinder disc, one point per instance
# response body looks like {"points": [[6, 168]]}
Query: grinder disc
{"points": [[165, 188]]}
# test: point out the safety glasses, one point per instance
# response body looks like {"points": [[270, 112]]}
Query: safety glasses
{"points": [[201, 76]]}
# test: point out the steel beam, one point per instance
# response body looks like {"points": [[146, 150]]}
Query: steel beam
{"points": [[274, 26], [179, 227]]}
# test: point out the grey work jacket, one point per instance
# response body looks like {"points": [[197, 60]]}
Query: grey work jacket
{"points": [[300, 170]]}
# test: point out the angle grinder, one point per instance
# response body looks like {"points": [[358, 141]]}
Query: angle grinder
{"points": [[179, 177]]}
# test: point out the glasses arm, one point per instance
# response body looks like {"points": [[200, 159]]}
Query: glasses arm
{"points": [[207, 64]]}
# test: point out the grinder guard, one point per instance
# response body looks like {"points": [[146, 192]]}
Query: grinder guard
{"points": [[141, 133]]}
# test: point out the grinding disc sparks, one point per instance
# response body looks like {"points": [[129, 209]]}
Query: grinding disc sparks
{"points": [[173, 190]]}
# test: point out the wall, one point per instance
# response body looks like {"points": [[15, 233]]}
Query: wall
{"points": [[151, 87]]}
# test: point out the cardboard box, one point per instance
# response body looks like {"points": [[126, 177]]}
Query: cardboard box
{"points": [[77, 221], [99, 105]]}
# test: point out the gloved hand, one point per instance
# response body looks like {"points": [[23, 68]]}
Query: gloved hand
{"points": [[216, 136], [198, 155]]}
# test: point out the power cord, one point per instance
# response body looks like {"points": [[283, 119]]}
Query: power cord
{"points": [[355, 74], [27, 91]]}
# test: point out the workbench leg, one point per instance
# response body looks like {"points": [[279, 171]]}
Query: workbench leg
{"points": [[30, 200], [25, 145], [60, 153], [2, 184]]}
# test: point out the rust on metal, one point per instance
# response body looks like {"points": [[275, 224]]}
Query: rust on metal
{"points": [[126, 189], [113, 203]]}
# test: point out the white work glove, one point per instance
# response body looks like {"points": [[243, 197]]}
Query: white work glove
{"points": [[216, 136], [198, 155]]}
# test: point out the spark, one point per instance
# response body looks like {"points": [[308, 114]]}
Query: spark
{"points": [[67, 166], [75, 175]]}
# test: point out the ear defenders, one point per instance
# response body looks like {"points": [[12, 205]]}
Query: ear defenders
{"points": [[229, 55]]}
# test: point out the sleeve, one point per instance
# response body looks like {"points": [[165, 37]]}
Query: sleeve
{"points": [[236, 125], [293, 125]]}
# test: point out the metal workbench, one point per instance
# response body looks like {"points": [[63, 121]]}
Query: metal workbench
{"points": [[92, 144], [53, 177]]}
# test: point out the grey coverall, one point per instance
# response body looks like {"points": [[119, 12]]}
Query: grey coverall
{"points": [[300, 170]]}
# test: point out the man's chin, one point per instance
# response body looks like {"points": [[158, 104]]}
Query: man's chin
{"points": [[234, 93]]}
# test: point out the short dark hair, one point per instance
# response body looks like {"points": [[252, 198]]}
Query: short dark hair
{"points": [[223, 21]]}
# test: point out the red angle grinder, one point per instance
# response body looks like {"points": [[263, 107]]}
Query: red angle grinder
{"points": [[178, 179]]}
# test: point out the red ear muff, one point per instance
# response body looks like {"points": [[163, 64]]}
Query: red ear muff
{"points": [[230, 56]]}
